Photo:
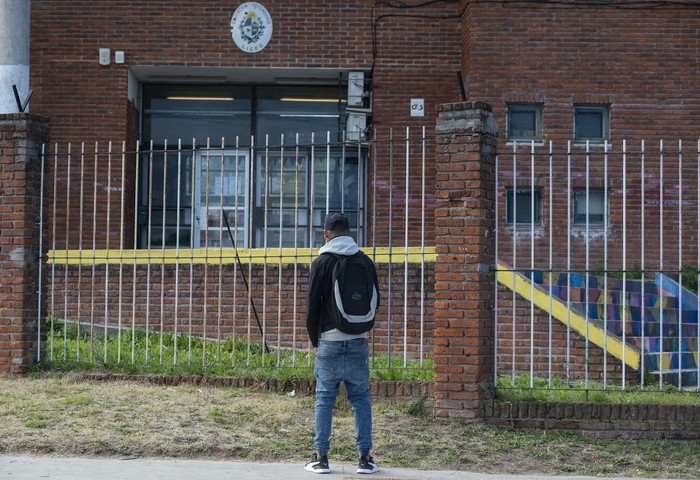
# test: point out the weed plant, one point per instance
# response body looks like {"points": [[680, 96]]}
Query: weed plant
{"points": [[135, 351], [520, 390]]}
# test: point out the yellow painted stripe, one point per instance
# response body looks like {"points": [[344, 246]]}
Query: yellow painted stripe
{"points": [[596, 335], [197, 256]]}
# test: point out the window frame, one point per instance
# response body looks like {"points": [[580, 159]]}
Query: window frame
{"points": [[263, 103], [524, 107], [583, 219], [604, 110], [523, 192]]}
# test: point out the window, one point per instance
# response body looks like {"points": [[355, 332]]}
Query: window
{"points": [[595, 213], [524, 122], [522, 205], [270, 193], [591, 124]]}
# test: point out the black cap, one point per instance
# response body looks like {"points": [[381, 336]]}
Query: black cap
{"points": [[336, 222]]}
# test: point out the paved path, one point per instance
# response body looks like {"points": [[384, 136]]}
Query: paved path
{"points": [[37, 468]]}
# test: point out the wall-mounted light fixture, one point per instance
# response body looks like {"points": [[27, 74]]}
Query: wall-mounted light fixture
{"points": [[211, 99], [318, 100]]}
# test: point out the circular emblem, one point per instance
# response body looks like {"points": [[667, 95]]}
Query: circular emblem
{"points": [[251, 27]]}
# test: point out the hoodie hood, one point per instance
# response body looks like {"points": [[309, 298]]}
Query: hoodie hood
{"points": [[343, 245]]}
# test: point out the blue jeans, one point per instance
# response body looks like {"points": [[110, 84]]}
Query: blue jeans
{"points": [[345, 361]]}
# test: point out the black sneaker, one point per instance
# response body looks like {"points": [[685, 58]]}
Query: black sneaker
{"points": [[367, 465], [318, 465]]}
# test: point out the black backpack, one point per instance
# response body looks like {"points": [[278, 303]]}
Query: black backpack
{"points": [[355, 294]]}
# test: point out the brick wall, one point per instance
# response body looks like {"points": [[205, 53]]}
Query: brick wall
{"points": [[399, 48], [635, 422], [641, 62], [21, 136], [220, 305]]}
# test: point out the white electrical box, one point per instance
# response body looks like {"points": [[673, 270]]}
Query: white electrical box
{"points": [[355, 127], [356, 89], [104, 56], [119, 57]]}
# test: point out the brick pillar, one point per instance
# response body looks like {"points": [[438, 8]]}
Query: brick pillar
{"points": [[21, 136], [464, 269]]}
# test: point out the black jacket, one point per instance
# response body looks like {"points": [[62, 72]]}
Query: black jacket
{"points": [[319, 302]]}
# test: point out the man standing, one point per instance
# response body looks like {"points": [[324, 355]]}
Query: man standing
{"points": [[340, 356]]}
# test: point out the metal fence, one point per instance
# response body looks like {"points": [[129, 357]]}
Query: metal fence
{"points": [[598, 264], [199, 255]]}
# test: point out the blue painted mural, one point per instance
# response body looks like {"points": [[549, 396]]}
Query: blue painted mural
{"points": [[656, 316]]}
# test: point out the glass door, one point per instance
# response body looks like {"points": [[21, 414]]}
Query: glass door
{"points": [[222, 198]]}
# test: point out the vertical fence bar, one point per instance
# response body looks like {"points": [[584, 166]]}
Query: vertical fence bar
{"points": [[193, 226], [235, 253], [266, 189], [328, 171], [342, 182], [405, 265], [680, 264], [221, 251], [279, 262], [625, 300], [514, 222], [422, 246], [643, 266], [107, 235], [312, 194], [162, 252], [296, 249], [374, 216], [205, 300], [532, 264], [94, 251], [121, 252], [251, 170], [52, 315], [149, 236], [79, 288], [661, 265], [311, 171], [568, 263], [40, 297], [361, 203], [551, 266], [391, 256], [65, 268], [697, 254], [605, 266], [176, 313], [587, 260], [495, 283], [133, 273]]}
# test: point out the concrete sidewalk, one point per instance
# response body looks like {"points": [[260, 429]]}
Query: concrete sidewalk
{"points": [[33, 468]]}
